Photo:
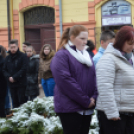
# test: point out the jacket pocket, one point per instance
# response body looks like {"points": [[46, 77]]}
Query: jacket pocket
{"points": [[127, 91], [127, 95]]}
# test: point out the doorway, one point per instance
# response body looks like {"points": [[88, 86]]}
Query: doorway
{"points": [[115, 29], [39, 27]]}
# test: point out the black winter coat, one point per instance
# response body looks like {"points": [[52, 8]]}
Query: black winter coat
{"points": [[32, 76], [3, 83], [16, 66]]}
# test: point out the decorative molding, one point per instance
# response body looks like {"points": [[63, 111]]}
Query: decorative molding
{"points": [[76, 23], [3, 29], [26, 3]]}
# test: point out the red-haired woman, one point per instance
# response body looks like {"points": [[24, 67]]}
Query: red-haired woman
{"points": [[115, 80], [74, 73]]}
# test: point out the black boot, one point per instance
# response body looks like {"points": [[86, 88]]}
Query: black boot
{"points": [[7, 111]]}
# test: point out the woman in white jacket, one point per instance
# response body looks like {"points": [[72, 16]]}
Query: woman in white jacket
{"points": [[115, 81]]}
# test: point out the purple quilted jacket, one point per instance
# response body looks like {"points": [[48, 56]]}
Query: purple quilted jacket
{"points": [[75, 83]]}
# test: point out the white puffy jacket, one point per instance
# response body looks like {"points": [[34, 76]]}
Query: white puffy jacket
{"points": [[115, 81]]}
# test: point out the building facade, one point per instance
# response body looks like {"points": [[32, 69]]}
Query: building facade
{"points": [[38, 21]]}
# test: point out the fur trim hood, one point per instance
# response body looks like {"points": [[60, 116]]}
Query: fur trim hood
{"points": [[51, 54]]}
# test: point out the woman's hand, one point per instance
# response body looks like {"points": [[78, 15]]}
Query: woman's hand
{"points": [[40, 86], [92, 103], [11, 79], [115, 119]]}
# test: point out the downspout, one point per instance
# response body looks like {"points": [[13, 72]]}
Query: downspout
{"points": [[12, 20], [60, 9], [8, 20]]}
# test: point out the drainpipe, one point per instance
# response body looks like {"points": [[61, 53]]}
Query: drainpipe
{"points": [[12, 19], [8, 20], [60, 8]]}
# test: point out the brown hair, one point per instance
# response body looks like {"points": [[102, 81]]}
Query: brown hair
{"points": [[74, 30], [42, 55], [2, 51], [27, 43], [13, 41], [34, 52], [125, 34]]}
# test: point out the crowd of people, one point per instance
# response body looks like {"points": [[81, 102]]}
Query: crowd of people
{"points": [[21, 74], [79, 80]]}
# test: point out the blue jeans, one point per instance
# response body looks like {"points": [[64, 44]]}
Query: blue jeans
{"points": [[48, 86], [7, 99]]}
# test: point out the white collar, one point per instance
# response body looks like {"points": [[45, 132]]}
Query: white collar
{"points": [[70, 43], [82, 58]]}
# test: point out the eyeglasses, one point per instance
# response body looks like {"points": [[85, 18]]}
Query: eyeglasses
{"points": [[29, 51], [131, 42]]}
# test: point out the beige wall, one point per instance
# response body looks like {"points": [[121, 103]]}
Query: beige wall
{"points": [[3, 13], [75, 10]]}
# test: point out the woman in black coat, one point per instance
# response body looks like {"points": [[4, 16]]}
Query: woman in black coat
{"points": [[90, 48], [3, 83], [32, 89]]}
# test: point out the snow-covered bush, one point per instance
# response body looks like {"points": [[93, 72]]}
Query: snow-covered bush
{"points": [[29, 119], [94, 127], [37, 117]]}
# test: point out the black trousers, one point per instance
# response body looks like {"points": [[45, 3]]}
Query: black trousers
{"points": [[74, 123], [18, 96], [123, 126], [2, 106], [32, 97]]}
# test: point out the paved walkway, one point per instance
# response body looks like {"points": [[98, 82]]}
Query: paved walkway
{"points": [[41, 93]]}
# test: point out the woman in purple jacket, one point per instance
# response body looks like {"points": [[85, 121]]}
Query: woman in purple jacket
{"points": [[74, 73]]}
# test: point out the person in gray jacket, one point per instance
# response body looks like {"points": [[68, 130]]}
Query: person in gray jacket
{"points": [[115, 81]]}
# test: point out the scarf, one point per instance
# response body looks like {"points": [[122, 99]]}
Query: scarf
{"points": [[83, 57]]}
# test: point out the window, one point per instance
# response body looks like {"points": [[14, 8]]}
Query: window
{"points": [[39, 15]]}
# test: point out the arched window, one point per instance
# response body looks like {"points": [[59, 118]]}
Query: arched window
{"points": [[39, 15]]}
